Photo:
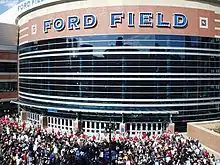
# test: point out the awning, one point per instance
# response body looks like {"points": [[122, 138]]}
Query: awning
{"points": [[147, 111]]}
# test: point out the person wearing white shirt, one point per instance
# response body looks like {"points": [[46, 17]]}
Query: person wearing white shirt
{"points": [[128, 162], [197, 151], [8, 130], [55, 151], [35, 147]]}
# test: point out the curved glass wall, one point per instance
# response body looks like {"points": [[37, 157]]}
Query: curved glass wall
{"points": [[124, 73]]}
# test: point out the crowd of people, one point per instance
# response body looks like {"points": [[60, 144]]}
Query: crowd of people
{"points": [[21, 144]]}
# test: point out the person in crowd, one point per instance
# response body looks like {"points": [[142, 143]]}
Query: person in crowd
{"points": [[21, 144]]}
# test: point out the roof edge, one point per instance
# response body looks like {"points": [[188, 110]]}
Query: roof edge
{"points": [[56, 2]]}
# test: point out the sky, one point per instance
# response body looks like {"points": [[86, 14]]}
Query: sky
{"points": [[6, 4]]}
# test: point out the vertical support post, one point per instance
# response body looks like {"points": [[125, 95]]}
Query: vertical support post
{"points": [[43, 121], [131, 125], [136, 129], [171, 126], [151, 124], [141, 128], [90, 125], [85, 126], [156, 128], [170, 118], [76, 126], [19, 110], [122, 118], [23, 115], [110, 141], [122, 126], [100, 127]]}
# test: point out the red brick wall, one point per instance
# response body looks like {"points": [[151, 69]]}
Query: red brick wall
{"points": [[8, 56], [8, 95]]}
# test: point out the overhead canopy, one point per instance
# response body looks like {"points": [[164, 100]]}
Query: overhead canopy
{"points": [[155, 110]]}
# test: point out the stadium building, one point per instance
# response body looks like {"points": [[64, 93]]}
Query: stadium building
{"points": [[8, 68], [139, 64]]}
